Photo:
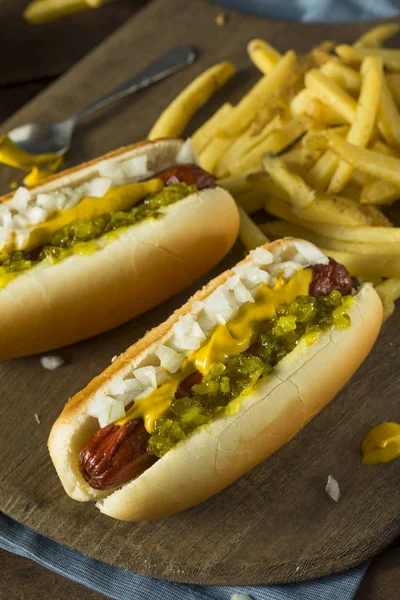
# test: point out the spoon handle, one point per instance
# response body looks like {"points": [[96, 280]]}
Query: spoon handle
{"points": [[172, 61]]}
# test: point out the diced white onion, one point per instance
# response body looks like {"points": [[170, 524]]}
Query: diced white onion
{"points": [[47, 201], [310, 252], [287, 269], [72, 201], [51, 362], [209, 321], [135, 166], [4, 234], [20, 220], [98, 187], [36, 214], [251, 275], [221, 302], [113, 171], [161, 374], [261, 256], [197, 306], [146, 376], [99, 403], [332, 488], [7, 220], [21, 237], [240, 291], [187, 334], [116, 386], [187, 153], [115, 411], [20, 199], [169, 359]]}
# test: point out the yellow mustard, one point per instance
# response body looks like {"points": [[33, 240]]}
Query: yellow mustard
{"points": [[120, 198], [40, 166], [225, 341], [381, 444]]}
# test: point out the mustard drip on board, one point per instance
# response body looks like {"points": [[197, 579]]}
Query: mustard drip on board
{"points": [[225, 341], [381, 444], [40, 166]]}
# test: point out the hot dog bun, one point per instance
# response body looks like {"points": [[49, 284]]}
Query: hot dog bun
{"points": [[217, 454], [83, 295]]}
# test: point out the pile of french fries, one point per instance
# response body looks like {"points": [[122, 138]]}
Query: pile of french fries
{"points": [[316, 144]]}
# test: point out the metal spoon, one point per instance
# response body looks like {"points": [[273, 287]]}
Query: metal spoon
{"points": [[38, 138]]}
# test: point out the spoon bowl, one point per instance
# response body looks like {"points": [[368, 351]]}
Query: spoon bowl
{"points": [[45, 138]]}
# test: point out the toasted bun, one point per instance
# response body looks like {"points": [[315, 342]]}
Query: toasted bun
{"points": [[81, 296], [215, 455]]}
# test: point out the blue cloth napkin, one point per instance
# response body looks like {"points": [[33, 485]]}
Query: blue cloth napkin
{"points": [[316, 10], [124, 585]]}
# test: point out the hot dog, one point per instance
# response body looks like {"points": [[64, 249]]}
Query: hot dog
{"points": [[97, 245], [221, 385]]}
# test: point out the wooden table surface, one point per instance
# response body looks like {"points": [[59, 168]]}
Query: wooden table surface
{"points": [[22, 578]]}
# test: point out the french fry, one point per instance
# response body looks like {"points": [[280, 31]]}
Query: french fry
{"points": [[375, 164], [389, 292], [364, 119], [298, 104], [361, 179], [263, 55], [249, 194], [300, 193], [212, 153], [301, 156], [367, 266], [324, 113], [174, 119], [245, 144], [279, 100], [377, 35], [278, 229], [346, 77], [235, 185], [328, 92], [337, 210], [383, 148], [379, 193], [45, 11], [351, 190], [274, 144], [393, 80], [365, 235], [251, 201], [266, 87], [321, 172], [204, 134], [355, 56], [250, 234], [389, 117]]}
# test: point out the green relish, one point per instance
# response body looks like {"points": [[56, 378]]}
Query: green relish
{"points": [[75, 237], [302, 320]]}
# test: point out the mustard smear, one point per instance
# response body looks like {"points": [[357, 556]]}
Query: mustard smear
{"points": [[225, 341], [116, 199], [381, 444], [40, 166]]}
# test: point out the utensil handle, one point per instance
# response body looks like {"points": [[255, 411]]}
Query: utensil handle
{"points": [[172, 61]]}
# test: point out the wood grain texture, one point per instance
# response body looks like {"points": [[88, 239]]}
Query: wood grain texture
{"points": [[275, 524], [31, 52]]}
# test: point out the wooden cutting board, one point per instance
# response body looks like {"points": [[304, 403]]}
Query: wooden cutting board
{"points": [[276, 524]]}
